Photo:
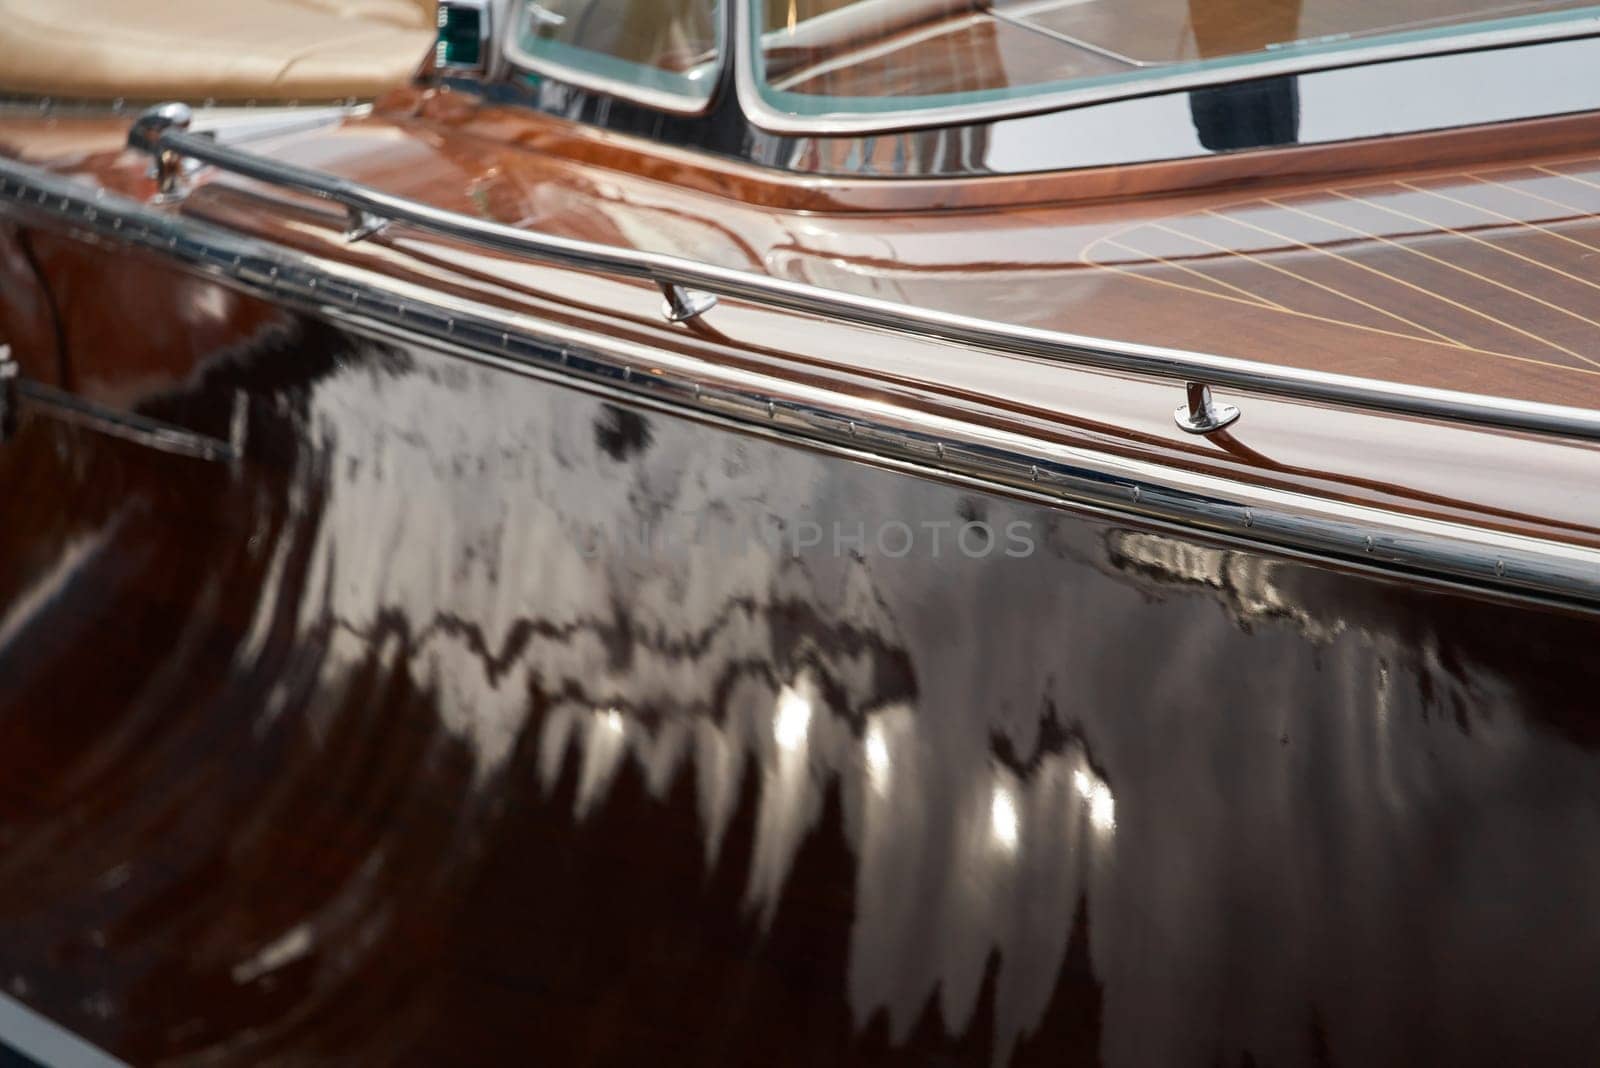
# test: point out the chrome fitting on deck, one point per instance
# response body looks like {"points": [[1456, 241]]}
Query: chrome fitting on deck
{"points": [[1200, 414], [167, 166]]}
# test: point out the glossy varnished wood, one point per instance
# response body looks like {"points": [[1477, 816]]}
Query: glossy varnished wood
{"points": [[1464, 277], [395, 744], [401, 739], [1391, 463], [1489, 246]]}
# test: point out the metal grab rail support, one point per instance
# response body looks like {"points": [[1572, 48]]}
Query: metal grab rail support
{"points": [[691, 289]]}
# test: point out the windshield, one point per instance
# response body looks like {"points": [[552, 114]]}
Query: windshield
{"points": [[828, 56], [669, 48]]}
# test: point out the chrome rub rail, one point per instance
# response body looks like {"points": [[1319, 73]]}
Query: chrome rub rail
{"points": [[162, 132]]}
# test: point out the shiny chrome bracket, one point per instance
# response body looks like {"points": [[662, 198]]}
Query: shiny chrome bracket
{"points": [[167, 165], [8, 393], [363, 225], [683, 304], [1202, 415]]}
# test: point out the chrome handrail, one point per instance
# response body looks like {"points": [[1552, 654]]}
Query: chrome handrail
{"points": [[162, 133]]}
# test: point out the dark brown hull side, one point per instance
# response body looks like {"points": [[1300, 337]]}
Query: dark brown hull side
{"points": [[472, 719]]}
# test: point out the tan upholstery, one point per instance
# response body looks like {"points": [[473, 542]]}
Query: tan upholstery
{"points": [[223, 49]]}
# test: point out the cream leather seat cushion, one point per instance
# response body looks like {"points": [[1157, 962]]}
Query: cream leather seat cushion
{"points": [[224, 49]]}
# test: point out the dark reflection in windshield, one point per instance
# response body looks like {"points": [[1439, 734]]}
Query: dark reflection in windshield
{"points": [[1253, 114]]}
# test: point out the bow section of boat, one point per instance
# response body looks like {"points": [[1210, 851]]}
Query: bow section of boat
{"points": [[1031, 410]]}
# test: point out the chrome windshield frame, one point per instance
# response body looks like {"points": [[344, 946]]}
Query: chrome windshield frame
{"points": [[762, 114], [1429, 88], [518, 12]]}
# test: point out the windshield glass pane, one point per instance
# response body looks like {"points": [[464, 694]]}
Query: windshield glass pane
{"points": [[661, 46], [821, 56]]}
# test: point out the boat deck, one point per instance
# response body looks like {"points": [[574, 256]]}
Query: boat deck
{"points": [[1465, 276]]}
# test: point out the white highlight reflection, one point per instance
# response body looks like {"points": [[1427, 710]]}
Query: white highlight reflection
{"points": [[930, 818], [877, 750], [790, 801], [793, 721], [1102, 806], [1003, 820], [603, 749]]}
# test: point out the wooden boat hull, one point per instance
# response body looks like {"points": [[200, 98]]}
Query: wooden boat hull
{"points": [[479, 718], [413, 650]]}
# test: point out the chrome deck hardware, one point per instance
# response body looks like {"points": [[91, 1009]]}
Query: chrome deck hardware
{"points": [[167, 165], [363, 225], [8, 393], [683, 304], [1200, 414], [689, 285]]}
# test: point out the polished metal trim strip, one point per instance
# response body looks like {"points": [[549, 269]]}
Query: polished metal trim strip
{"points": [[43, 1040], [880, 431], [1184, 367], [767, 117], [130, 426]]}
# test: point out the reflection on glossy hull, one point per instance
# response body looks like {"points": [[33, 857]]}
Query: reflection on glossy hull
{"points": [[366, 749]]}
